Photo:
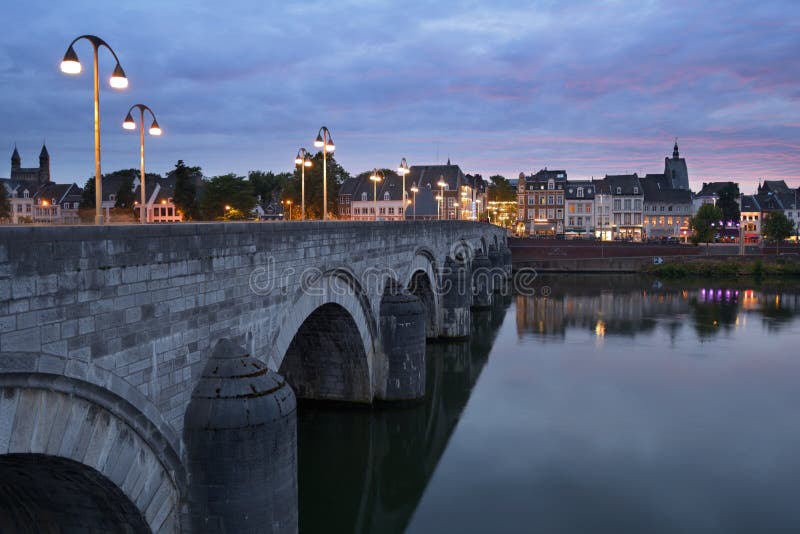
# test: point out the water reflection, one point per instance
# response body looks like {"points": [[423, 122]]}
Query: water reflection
{"points": [[365, 470], [631, 306]]}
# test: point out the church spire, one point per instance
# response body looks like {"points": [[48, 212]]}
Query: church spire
{"points": [[675, 153], [15, 159]]}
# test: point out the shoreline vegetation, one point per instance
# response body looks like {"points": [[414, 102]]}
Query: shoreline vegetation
{"points": [[727, 267]]}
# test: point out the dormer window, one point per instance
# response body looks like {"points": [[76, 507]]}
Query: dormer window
{"points": [[112, 197], [25, 194], [635, 190], [551, 184], [386, 196], [619, 190], [364, 196], [580, 192]]}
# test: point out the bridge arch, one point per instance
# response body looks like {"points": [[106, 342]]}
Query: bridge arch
{"points": [[325, 345], [423, 282], [104, 461]]}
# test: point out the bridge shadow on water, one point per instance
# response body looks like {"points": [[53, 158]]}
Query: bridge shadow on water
{"points": [[365, 469]]}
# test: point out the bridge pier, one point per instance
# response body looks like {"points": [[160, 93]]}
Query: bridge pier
{"points": [[482, 274], [241, 441], [456, 298], [402, 341]]}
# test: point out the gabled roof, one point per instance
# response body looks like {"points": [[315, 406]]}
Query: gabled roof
{"points": [[571, 189], [712, 189], [657, 188], [750, 204], [626, 183], [428, 176]]}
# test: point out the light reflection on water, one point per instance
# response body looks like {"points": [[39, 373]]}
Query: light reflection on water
{"points": [[612, 405]]}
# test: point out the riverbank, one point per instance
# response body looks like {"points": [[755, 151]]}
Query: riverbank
{"points": [[730, 266]]}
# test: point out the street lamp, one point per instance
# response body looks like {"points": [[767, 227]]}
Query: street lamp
{"points": [[303, 159], [439, 199], [442, 184], [414, 190], [402, 170], [129, 124], [289, 205], [376, 177], [325, 142], [477, 208], [118, 80]]}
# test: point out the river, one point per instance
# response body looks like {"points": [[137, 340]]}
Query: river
{"points": [[598, 404]]}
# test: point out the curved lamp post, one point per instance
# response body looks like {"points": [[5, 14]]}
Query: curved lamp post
{"points": [[376, 177], [402, 170], [414, 190], [155, 129], [325, 142], [118, 80], [442, 184], [303, 159]]}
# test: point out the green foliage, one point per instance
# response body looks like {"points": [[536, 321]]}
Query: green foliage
{"points": [[267, 184], [185, 197], [500, 189], [226, 190], [727, 202], [732, 267], [336, 175], [125, 195], [87, 199], [705, 223], [5, 203], [234, 215], [776, 227]]}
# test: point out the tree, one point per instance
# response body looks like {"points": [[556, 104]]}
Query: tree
{"points": [[776, 227], [336, 176], [705, 223], [185, 196], [5, 204], [125, 195], [227, 190], [728, 202], [267, 184], [87, 199], [501, 190]]}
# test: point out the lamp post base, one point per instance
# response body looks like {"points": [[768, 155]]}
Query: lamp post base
{"points": [[99, 219]]}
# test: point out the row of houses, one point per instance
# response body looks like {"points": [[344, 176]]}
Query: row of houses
{"points": [[431, 192], [636, 208], [34, 198]]}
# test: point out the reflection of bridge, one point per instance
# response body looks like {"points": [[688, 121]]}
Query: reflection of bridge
{"points": [[106, 331], [375, 466]]}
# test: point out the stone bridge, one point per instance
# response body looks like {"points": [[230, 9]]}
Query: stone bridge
{"points": [[142, 366]]}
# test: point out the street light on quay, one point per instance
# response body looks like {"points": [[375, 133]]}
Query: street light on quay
{"points": [[71, 65], [414, 191], [442, 184], [155, 129], [325, 142], [402, 170], [303, 159], [439, 199], [376, 177]]}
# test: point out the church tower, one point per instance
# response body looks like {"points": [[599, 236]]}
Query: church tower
{"points": [[44, 166], [675, 169], [16, 162]]}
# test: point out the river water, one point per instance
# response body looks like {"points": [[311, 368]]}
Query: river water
{"points": [[599, 404]]}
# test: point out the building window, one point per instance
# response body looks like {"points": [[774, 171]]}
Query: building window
{"points": [[550, 199], [399, 211], [25, 194], [635, 190], [382, 211], [551, 184], [386, 196], [619, 190], [627, 204], [364, 196], [571, 208], [637, 204], [559, 199], [531, 201], [112, 197], [580, 192], [559, 214], [391, 211], [542, 200], [617, 204]]}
